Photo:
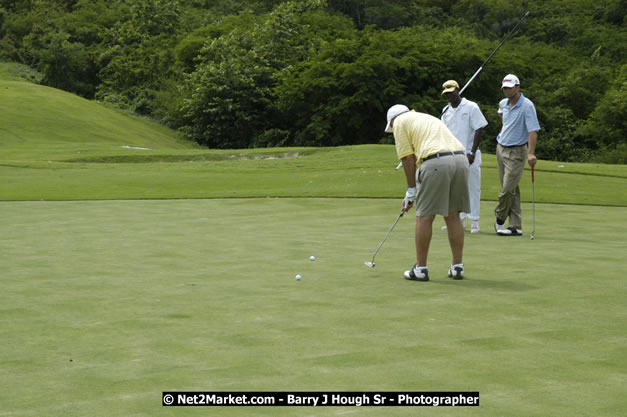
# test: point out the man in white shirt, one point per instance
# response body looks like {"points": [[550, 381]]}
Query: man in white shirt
{"points": [[465, 120]]}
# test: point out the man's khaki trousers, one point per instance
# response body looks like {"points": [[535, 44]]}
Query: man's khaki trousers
{"points": [[511, 162]]}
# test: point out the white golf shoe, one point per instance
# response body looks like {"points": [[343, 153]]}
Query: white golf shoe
{"points": [[514, 231], [456, 271], [474, 227], [417, 273], [501, 230]]}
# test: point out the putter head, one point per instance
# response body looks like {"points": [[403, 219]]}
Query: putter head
{"points": [[531, 238], [369, 264]]}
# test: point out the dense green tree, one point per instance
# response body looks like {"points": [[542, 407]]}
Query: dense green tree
{"points": [[138, 54], [607, 124], [16, 5], [230, 101], [3, 16], [230, 97], [235, 73]]}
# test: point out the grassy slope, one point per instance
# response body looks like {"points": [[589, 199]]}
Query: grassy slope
{"points": [[56, 146], [38, 120]]}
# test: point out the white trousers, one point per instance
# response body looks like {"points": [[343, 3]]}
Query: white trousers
{"points": [[474, 189]]}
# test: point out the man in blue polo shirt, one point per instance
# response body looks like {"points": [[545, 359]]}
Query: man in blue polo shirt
{"points": [[516, 144]]}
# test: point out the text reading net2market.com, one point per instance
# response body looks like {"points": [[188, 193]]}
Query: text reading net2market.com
{"points": [[320, 399]]}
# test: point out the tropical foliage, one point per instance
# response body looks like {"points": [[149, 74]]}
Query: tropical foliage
{"points": [[238, 74]]}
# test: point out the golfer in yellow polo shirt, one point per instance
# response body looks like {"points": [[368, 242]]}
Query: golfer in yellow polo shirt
{"points": [[436, 170]]}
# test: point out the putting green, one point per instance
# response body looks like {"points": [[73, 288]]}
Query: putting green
{"points": [[105, 304]]}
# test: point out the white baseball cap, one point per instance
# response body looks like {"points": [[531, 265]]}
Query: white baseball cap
{"points": [[394, 111], [510, 80]]}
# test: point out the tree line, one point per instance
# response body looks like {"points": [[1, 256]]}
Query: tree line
{"points": [[265, 73]]}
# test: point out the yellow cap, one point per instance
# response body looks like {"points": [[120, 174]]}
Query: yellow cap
{"points": [[449, 86]]}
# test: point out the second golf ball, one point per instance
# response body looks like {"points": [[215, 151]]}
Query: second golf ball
{"points": [[312, 258], [298, 277]]}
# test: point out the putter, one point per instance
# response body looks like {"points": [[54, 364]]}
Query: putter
{"points": [[533, 203], [371, 264]]}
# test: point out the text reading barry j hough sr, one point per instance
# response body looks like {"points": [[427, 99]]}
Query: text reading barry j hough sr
{"points": [[321, 399]]}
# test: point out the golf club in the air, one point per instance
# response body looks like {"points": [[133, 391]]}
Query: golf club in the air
{"points": [[483, 65]]}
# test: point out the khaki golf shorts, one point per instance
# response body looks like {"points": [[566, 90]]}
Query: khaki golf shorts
{"points": [[442, 185]]}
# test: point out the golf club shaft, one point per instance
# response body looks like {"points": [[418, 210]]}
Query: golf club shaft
{"points": [[493, 52], [533, 200], [386, 236]]}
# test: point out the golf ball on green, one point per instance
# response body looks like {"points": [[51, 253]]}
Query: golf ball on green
{"points": [[312, 258], [298, 277]]}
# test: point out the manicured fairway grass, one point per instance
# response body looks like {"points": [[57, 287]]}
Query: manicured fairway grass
{"points": [[109, 298], [352, 171], [105, 304]]}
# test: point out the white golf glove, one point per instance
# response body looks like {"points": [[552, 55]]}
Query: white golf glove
{"points": [[410, 198]]}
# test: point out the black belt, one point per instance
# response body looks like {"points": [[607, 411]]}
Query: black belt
{"points": [[513, 146], [440, 154]]}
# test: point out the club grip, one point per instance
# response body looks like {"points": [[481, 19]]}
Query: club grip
{"points": [[532, 174]]}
